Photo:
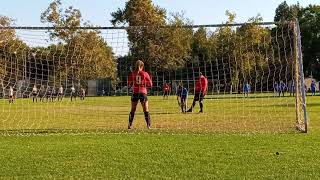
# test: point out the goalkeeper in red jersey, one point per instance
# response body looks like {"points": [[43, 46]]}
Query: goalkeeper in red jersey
{"points": [[139, 81], [200, 91]]}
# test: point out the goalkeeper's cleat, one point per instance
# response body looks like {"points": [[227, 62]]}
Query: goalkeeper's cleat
{"points": [[201, 111], [148, 126], [129, 126], [190, 110]]}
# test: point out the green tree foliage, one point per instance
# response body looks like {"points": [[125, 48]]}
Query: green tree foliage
{"points": [[161, 48], [83, 53], [13, 54], [252, 42], [6, 34], [310, 33], [70, 18], [284, 12], [238, 54], [309, 18]]}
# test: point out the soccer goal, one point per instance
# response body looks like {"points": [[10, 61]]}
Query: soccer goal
{"points": [[63, 79]]}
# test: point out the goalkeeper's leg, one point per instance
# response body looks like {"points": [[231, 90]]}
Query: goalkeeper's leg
{"points": [[145, 106], [131, 114]]}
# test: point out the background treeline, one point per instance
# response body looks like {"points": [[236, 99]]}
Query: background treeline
{"points": [[228, 55]]}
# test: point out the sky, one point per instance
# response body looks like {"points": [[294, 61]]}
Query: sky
{"points": [[27, 12]]}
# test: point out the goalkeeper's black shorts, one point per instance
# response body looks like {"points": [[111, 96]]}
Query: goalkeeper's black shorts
{"points": [[139, 96]]}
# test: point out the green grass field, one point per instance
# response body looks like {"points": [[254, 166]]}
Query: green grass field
{"points": [[261, 113], [235, 138]]}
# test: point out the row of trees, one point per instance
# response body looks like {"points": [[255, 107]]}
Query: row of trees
{"points": [[79, 54], [165, 44], [229, 54], [309, 20]]}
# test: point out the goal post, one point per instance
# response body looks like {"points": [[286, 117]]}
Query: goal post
{"points": [[301, 105]]}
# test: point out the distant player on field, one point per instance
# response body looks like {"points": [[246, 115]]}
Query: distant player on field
{"points": [[246, 89], [313, 88], [275, 89], [292, 89], [166, 90], [282, 88], [53, 94], [200, 91], [48, 93], [34, 93], [73, 93], [11, 94], [82, 93], [60, 93], [178, 93], [139, 81], [42, 93], [182, 95]]}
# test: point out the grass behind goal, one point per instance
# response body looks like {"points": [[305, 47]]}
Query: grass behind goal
{"points": [[260, 113]]}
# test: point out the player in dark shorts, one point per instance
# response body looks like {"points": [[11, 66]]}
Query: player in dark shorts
{"points": [[182, 95], [54, 94], [34, 93], [166, 90], [48, 93], [139, 81], [73, 93], [11, 95], [82, 93], [200, 91], [178, 93], [42, 93], [60, 93]]}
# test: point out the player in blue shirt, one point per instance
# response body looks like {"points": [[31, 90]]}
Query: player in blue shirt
{"points": [[275, 89], [292, 89], [282, 88], [313, 88], [182, 95], [246, 89], [183, 99]]}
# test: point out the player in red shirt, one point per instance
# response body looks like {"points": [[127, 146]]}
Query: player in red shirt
{"points": [[139, 81], [166, 90], [200, 91]]}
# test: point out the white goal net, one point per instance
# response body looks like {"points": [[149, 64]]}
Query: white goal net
{"points": [[79, 84]]}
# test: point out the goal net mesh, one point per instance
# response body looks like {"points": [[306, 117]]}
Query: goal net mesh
{"points": [[254, 72]]}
